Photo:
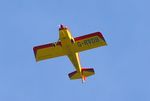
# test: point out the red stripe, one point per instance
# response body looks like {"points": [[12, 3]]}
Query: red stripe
{"points": [[89, 35], [88, 69], [44, 46]]}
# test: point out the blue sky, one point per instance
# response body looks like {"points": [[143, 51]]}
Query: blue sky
{"points": [[122, 68]]}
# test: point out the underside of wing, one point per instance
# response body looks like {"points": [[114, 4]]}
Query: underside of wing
{"points": [[89, 41], [47, 51]]}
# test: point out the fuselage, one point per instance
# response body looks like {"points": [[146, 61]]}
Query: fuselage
{"points": [[67, 42]]}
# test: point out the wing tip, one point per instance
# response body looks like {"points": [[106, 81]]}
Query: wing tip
{"points": [[99, 34], [35, 51]]}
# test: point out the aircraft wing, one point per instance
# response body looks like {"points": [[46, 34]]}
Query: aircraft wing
{"points": [[89, 41], [47, 51]]}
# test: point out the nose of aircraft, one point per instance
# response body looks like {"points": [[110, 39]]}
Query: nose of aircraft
{"points": [[62, 27]]}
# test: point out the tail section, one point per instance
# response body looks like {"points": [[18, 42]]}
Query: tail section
{"points": [[84, 73]]}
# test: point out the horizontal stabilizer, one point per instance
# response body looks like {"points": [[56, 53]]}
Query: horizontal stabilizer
{"points": [[88, 71], [85, 73]]}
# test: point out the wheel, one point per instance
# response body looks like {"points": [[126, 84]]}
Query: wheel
{"points": [[72, 41]]}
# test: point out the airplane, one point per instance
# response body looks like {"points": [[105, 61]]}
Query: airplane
{"points": [[69, 46]]}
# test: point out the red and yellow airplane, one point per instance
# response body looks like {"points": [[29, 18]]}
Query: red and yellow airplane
{"points": [[67, 45]]}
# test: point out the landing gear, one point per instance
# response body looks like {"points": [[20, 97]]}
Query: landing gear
{"points": [[54, 44], [57, 43], [72, 41]]}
